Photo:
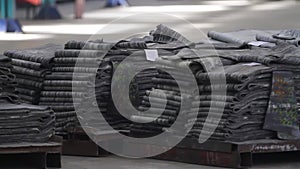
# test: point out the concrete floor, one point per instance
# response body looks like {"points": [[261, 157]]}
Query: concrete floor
{"points": [[269, 161], [205, 15]]}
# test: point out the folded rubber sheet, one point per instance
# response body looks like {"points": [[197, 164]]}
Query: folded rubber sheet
{"points": [[248, 71], [245, 105], [61, 89], [21, 122], [7, 83], [25, 123], [282, 56], [31, 66], [42, 55], [260, 38]]}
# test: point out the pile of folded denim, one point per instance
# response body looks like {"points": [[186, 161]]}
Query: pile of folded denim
{"points": [[243, 107], [249, 72], [8, 83], [71, 83], [103, 89], [245, 101], [30, 67], [148, 84], [112, 57], [258, 38], [161, 103], [105, 58], [237, 108], [21, 122], [61, 90], [282, 52]]}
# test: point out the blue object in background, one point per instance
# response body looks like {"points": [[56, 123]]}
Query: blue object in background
{"points": [[3, 25], [48, 10], [7, 21], [114, 3], [13, 25]]}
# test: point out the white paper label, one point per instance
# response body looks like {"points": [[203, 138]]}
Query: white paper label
{"points": [[252, 64], [151, 54], [257, 43]]}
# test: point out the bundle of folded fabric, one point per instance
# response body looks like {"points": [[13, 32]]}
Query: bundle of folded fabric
{"points": [[160, 106], [30, 67], [258, 38], [25, 123], [109, 57], [153, 122], [71, 83], [21, 122], [245, 103], [248, 72], [282, 54], [61, 90], [8, 83]]}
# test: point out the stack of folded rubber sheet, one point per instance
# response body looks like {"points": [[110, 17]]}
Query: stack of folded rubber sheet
{"points": [[21, 122], [71, 82], [244, 106], [241, 108], [61, 90], [30, 67], [154, 116], [250, 105], [282, 54], [101, 60], [111, 55], [245, 84]]}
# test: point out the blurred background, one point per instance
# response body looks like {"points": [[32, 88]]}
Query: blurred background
{"points": [[82, 18]]}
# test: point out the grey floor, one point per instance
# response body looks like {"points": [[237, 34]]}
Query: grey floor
{"points": [[207, 15], [282, 161]]}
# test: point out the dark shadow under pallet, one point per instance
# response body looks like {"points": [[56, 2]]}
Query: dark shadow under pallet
{"points": [[220, 153], [78, 143], [31, 155]]}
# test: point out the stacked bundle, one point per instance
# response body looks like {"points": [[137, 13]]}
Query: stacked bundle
{"points": [[103, 89], [21, 122], [71, 82], [157, 114], [245, 103], [30, 67], [283, 57], [25, 123], [61, 91], [248, 87], [111, 56], [8, 83]]}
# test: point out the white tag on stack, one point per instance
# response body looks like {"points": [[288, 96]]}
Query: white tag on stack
{"points": [[151, 54], [252, 64], [257, 43]]}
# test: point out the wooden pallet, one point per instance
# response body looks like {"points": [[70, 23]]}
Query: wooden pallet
{"points": [[31, 155], [220, 153], [79, 144]]}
